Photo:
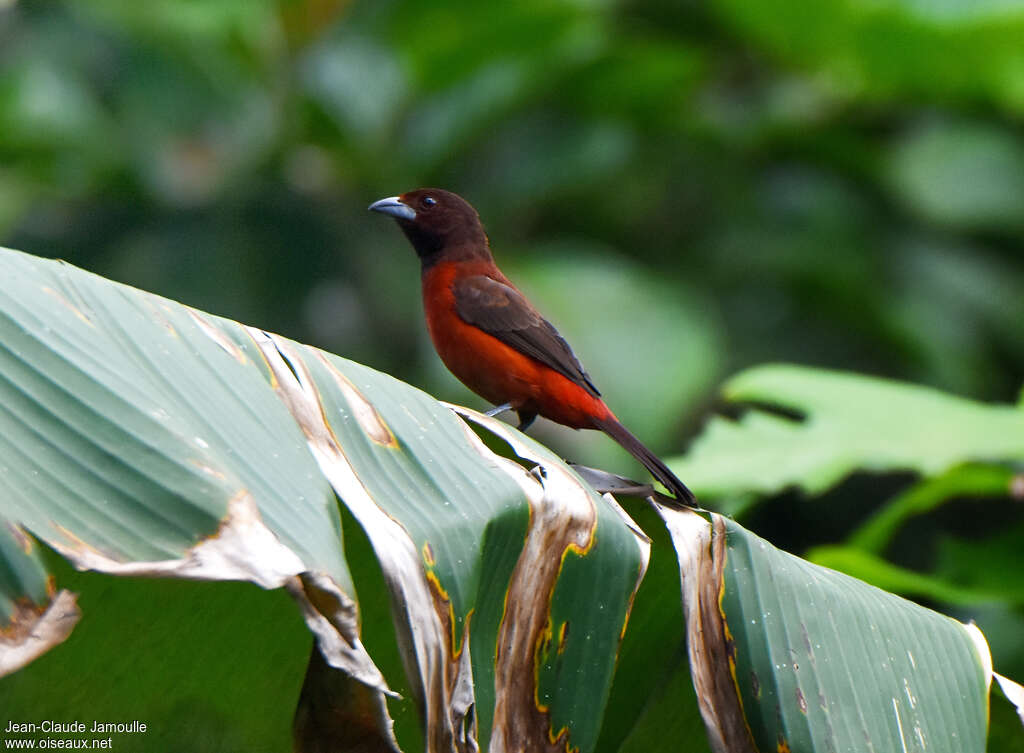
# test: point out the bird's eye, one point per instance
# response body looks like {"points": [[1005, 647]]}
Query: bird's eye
{"points": [[428, 201]]}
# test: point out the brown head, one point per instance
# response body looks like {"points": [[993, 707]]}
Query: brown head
{"points": [[438, 223]]}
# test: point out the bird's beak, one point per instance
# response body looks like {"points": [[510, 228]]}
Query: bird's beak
{"points": [[394, 206]]}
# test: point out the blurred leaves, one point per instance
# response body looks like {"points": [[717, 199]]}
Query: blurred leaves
{"points": [[220, 145], [838, 423], [947, 50], [962, 174], [338, 77], [890, 577]]}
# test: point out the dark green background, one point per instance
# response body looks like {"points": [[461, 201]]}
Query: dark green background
{"points": [[687, 188]]}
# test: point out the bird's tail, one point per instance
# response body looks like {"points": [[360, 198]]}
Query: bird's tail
{"points": [[651, 462]]}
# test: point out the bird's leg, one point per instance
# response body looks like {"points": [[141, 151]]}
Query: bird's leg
{"points": [[525, 419]]}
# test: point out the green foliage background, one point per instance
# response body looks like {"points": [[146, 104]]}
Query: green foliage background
{"points": [[687, 188]]}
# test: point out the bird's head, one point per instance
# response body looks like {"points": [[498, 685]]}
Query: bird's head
{"points": [[437, 223]]}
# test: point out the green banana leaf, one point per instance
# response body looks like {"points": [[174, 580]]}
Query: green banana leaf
{"points": [[142, 438], [789, 655]]}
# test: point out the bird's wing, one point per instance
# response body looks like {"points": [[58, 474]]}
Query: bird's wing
{"points": [[502, 311]]}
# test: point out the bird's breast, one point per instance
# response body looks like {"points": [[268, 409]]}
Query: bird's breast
{"points": [[472, 355]]}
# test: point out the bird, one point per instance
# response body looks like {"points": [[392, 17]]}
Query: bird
{"points": [[492, 338]]}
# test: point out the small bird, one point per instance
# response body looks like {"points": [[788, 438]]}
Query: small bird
{"points": [[492, 338]]}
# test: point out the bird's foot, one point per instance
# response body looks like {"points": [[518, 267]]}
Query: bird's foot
{"points": [[525, 420]]}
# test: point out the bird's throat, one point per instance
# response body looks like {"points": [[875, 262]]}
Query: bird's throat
{"points": [[432, 251], [428, 245]]}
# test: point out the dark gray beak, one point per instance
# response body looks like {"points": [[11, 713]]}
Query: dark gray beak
{"points": [[394, 206]]}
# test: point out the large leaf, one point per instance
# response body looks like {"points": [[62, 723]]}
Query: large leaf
{"points": [[484, 616], [128, 435], [135, 440], [130, 418], [846, 422], [794, 656], [144, 438]]}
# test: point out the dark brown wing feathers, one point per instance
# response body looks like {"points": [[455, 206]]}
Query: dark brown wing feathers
{"points": [[502, 311]]}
